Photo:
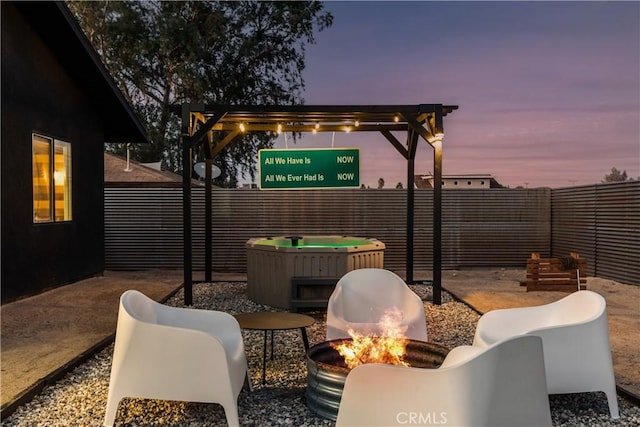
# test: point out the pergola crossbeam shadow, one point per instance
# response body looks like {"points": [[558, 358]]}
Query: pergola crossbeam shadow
{"points": [[231, 122]]}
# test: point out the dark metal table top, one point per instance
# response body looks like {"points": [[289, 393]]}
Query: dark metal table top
{"points": [[273, 320]]}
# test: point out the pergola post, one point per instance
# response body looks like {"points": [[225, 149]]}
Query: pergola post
{"points": [[437, 133], [437, 221], [208, 212], [186, 204], [412, 144], [208, 234]]}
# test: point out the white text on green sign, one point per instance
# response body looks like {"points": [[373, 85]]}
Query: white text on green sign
{"points": [[309, 168]]}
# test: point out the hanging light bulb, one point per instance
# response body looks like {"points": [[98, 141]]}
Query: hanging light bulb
{"points": [[396, 119], [279, 129], [357, 123], [347, 129], [242, 127]]}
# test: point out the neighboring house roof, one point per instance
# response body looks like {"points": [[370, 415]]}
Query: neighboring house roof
{"points": [[117, 175], [424, 181], [58, 28]]}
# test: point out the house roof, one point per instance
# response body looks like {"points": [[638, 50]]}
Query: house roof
{"points": [[424, 181], [59, 30], [117, 173], [458, 176]]}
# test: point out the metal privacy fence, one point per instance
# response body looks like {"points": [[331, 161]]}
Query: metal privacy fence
{"points": [[602, 223], [481, 228]]}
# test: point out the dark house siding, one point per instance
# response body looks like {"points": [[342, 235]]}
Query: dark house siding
{"points": [[40, 94]]}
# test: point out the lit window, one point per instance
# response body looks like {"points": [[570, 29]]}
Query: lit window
{"points": [[51, 179]]}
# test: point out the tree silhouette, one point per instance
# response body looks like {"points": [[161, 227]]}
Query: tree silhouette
{"points": [[615, 176], [218, 52]]}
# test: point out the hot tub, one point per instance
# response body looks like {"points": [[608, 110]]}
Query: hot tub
{"points": [[273, 261]]}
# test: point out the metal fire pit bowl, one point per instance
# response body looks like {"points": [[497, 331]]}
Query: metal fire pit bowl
{"points": [[327, 372]]}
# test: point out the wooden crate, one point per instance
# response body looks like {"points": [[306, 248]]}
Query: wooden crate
{"points": [[556, 274]]}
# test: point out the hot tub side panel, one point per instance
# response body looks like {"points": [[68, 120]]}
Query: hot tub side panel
{"points": [[266, 277], [317, 264], [269, 272], [366, 259], [270, 269]]}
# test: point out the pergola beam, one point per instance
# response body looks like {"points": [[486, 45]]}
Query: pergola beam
{"points": [[419, 128], [204, 128], [308, 127], [397, 144], [231, 136]]}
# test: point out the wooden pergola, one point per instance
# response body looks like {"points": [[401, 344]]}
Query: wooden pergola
{"points": [[217, 126]]}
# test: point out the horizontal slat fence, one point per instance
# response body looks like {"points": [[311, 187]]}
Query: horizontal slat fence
{"points": [[480, 228], [602, 223], [496, 227], [143, 227]]}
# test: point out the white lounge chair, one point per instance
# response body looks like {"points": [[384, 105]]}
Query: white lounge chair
{"points": [[502, 385], [360, 299], [174, 353], [575, 336]]}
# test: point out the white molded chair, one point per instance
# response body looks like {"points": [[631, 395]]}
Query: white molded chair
{"points": [[502, 385], [172, 353], [362, 296], [575, 336]]}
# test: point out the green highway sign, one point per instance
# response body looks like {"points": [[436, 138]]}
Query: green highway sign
{"points": [[309, 168]]}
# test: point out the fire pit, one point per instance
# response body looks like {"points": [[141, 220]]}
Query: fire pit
{"points": [[327, 371]]}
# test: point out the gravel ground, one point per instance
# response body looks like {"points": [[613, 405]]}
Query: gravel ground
{"points": [[80, 398]]}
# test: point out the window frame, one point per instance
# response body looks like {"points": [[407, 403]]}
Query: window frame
{"points": [[52, 177]]}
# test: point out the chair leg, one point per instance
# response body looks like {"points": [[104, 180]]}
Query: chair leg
{"points": [[111, 411], [231, 412], [612, 398], [247, 380]]}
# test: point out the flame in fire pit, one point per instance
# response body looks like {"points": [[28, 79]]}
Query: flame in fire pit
{"points": [[389, 347]]}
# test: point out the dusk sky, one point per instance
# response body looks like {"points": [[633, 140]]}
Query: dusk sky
{"points": [[548, 92]]}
